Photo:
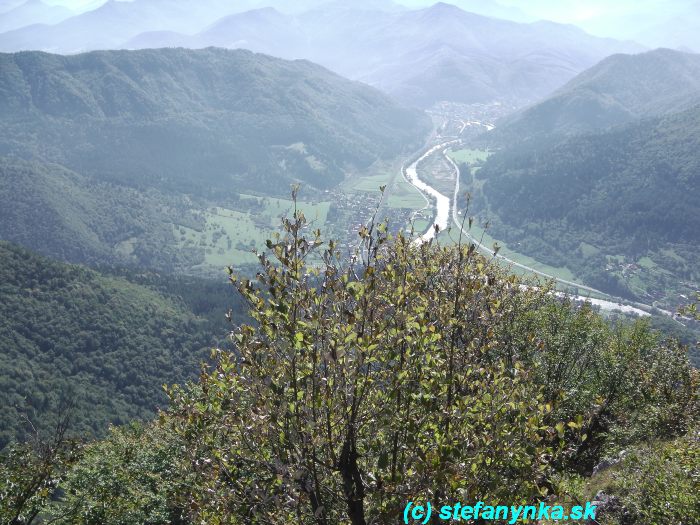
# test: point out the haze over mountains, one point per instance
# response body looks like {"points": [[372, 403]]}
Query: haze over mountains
{"points": [[680, 31], [653, 23], [669, 23], [419, 56], [618, 90], [488, 8], [32, 12]]}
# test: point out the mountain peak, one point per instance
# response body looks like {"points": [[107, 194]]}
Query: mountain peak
{"points": [[263, 15], [260, 13], [443, 11], [444, 7]]}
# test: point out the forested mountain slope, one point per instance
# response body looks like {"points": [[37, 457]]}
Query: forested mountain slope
{"points": [[106, 341], [618, 90], [631, 192], [200, 121], [51, 209], [102, 154]]}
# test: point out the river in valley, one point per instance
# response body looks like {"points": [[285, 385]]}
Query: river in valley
{"points": [[442, 205]]}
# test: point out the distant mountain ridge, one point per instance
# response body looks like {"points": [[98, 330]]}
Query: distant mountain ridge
{"points": [[445, 53], [110, 24], [419, 56], [618, 90], [32, 12]]}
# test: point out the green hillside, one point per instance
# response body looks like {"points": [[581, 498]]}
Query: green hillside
{"points": [[200, 121], [51, 209], [620, 208], [122, 156], [103, 340], [618, 90]]}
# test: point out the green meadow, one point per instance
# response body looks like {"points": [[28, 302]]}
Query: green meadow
{"points": [[232, 236], [469, 156]]}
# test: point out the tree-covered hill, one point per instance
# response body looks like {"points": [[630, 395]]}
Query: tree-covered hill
{"points": [[103, 156], [106, 341], [602, 177], [630, 192], [200, 121], [618, 90], [55, 211]]}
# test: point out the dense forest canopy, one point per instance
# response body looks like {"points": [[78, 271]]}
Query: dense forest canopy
{"points": [[105, 341], [58, 212], [637, 185], [601, 178], [631, 192]]}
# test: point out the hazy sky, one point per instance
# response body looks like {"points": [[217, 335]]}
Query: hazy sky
{"points": [[581, 10], [72, 4], [68, 3]]}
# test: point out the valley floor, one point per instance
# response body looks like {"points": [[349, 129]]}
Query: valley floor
{"points": [[436, 175]]}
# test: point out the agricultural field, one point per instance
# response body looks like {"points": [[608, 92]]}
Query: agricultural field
{"points": [[402, 203], [469, 156], [369, 183], [230, 237], [400, 193]]}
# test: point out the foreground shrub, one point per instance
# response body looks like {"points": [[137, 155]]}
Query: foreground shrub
{"points": [[403, 373], [409, 373]]}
